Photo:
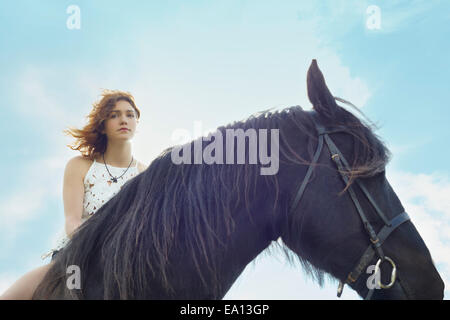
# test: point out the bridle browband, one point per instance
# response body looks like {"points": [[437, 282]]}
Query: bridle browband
{"points": [[376, 239]]}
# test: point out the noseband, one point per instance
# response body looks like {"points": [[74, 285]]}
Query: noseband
{"points": [[376, 240]]}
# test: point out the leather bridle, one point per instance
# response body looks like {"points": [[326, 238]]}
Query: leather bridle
{"points": [[376, 240]]}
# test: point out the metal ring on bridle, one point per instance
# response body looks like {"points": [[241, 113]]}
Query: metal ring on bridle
{"points": [[393, 274]]}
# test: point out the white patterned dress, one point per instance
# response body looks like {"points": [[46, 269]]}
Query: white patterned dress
{"points": [[98, 189]]}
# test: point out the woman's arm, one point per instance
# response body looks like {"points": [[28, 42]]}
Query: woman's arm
{"points": [[73, 194]]}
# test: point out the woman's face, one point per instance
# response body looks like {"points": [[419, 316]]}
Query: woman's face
{"points": [[121, 116]]}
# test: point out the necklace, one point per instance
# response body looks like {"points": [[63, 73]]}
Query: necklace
{"points": [[114, 179]]}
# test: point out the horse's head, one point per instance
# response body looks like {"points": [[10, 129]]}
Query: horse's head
{"points": [[345, 216]]}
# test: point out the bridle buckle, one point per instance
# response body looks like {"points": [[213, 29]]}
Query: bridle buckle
{"points": [[393, 274]]}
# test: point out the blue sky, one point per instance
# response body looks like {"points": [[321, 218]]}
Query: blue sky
{"points": [[217, 62]]}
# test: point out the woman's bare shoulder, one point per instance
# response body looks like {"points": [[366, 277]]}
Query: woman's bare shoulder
{"points": [[81, 160], [80, 164]]}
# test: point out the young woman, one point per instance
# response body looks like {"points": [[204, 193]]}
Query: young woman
{"points": [[91, 179]]}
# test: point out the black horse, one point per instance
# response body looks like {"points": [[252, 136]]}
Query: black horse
{"points": [[187, 231]]}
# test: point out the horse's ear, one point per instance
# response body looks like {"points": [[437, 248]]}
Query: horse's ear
{"points": [[318, 93]]}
